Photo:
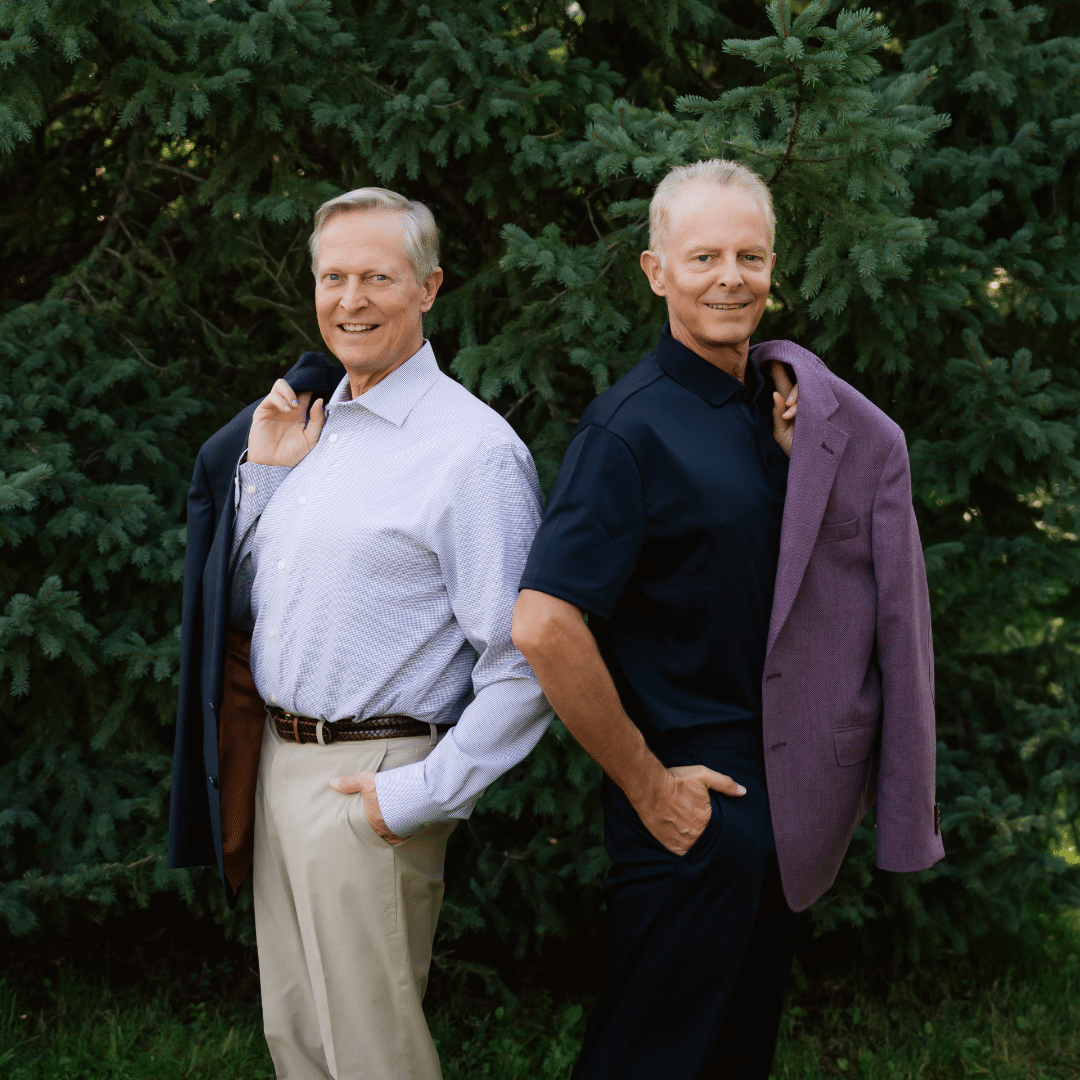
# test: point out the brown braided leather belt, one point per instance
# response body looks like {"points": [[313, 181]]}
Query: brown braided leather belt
{"points": [[306, 729]]}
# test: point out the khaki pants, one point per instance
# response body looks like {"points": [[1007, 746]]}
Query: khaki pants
{"points": [[344, 921]]}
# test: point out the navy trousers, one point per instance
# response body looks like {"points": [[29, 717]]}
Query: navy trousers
{"points": [[699, 946]]}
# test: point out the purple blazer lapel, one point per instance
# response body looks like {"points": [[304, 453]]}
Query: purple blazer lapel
{"points": [[816, 450]]}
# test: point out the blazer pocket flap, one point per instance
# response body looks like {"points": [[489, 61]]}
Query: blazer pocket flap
{"points": [[831, 532], [854, 745]]}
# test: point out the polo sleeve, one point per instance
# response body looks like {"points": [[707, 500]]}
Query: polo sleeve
{"points": [[594, 527]]}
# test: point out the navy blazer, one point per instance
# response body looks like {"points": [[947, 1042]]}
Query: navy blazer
{"points": [[195, 806]]}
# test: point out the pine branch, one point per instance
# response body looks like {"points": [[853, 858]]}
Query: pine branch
{"points": [[172, 169], [135, 349], [786, 160]]}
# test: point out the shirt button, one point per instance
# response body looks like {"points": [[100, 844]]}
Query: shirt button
{"points": [[302, 500], [333, 438], [273, 699], [273, 633], [281, 566], [251, 489]]}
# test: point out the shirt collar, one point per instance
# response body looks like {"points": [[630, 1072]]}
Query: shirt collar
{"points": [[394, 397], [698, 375]]}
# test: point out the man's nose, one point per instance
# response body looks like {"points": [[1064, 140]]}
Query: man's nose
{"points": [[355, 295], [728, 272]]}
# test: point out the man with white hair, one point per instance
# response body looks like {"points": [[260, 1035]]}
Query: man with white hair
{"points": [[378, 542], [757, 663]]}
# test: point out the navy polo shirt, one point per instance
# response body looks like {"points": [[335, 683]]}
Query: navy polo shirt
{"points": [[664, 525]]}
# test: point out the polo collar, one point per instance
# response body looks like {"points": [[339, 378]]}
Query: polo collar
{"points": [[394, 397], [700, 377]]}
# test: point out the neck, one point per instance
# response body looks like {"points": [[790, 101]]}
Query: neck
{"points": [[730, 359]]}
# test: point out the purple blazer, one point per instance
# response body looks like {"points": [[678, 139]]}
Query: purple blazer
{"points": [[848, 686]]}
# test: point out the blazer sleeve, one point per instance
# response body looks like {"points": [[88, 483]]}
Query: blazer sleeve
{"points": [[907, 834]]}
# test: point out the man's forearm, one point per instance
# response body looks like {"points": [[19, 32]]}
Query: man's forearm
{"points": [[498, 728], [552, 635]]}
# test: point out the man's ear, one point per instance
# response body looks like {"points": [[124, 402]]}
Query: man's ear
{"points": [[430, 288], [654, 271]]}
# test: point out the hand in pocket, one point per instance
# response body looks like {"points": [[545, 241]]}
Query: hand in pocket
{"points": [[678, 812], [363, 784]]}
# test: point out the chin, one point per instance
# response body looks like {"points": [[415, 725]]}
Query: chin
{"points": [[728, 335], [359, 350]]}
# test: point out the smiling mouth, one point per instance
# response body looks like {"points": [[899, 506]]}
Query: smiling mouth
{"points": [[729, 307], [357, 327]]}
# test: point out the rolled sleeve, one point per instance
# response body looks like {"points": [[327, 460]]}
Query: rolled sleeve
{"points": [[254, 485]]}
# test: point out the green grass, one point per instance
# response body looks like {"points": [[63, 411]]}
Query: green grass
{"points": [[1001, 1016], [91, 1031], [994, 1017]]}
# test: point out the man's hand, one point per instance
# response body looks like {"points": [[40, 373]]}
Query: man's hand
{"points": [[279, 435], [364, 784], [678, 813], [785, 404]]}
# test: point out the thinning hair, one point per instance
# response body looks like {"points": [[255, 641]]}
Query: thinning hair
{"points": [[421, 232], [716, 171]]}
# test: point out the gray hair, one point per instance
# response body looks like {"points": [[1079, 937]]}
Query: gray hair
{"points": [[421, 232], [716, 171]]}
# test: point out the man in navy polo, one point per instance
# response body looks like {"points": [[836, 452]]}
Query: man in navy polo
{"points": [[757, 670], [686, 449]]}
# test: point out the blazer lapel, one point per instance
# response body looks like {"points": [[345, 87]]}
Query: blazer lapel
{"points": [[815, 455]]}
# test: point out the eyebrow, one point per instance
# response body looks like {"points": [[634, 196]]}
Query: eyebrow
{"points": [[332, 269], [757, 249]]}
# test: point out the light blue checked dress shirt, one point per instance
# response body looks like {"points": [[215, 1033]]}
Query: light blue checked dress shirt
{"points": [[381, 574]]}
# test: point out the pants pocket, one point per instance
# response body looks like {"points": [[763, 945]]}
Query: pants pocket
{"points": [[713, 826], [355, 813], [395, 753]]}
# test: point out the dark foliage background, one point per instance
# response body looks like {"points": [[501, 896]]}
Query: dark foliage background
{"points": [[160, 162]]}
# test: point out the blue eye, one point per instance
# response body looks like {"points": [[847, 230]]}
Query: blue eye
{"points": [[381, 277], [332, 277]]}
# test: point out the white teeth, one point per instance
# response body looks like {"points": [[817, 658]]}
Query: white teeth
{"points": [[357, 328], [726, 307]]}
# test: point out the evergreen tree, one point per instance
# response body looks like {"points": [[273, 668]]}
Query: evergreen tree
{"points": [[912, 250], [162, 160]]}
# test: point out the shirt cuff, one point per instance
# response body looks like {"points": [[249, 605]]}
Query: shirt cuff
{"points": [[498, 728], [404, 802], [258, 483]]}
